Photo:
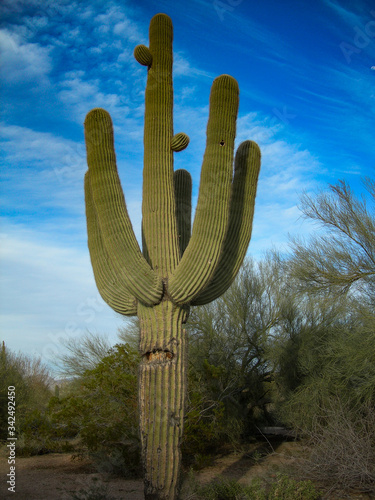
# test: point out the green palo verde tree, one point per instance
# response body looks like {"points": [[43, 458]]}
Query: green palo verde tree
{"points": [[177, 267]]}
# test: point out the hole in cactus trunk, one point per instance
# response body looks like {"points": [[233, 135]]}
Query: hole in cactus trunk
{"points": [[158, 356], [222, 143]]}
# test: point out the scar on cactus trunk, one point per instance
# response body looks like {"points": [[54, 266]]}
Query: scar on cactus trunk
{"points": [[178, 267]]}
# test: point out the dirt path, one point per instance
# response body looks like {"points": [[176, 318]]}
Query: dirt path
{"points": [[57, 476]]}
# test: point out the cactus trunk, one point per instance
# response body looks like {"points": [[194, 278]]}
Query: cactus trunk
{"points": [[162, 389], [177, 266]]}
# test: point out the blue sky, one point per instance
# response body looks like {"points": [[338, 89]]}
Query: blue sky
{"points": [[306, 96]]}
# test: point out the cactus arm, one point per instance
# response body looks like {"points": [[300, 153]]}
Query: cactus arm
{"points": [[247, 166], [202, 254], [179, 142], [143, 55], [112, 290], [116, 229], [183, 188], [158, 204]]}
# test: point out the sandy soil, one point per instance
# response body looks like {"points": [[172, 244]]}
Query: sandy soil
{"points": [[57, 476]]}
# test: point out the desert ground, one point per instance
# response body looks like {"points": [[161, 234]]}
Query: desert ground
{"points": [[58, 476]]}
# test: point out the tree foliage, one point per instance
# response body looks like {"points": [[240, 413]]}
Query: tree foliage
{"points": [[343, 258], [33, 387], [331, 398], [334, 276], [82, 354], [102, 412], [229, 341]]}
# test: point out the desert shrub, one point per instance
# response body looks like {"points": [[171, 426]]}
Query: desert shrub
{"points": [[333, 405], [102, 412], [38, 435], [204, 428], [94, 490], [32, 382], [228, 341], [284, 488], [82, 354], [336, 360], [343, 447], [230, 490]]}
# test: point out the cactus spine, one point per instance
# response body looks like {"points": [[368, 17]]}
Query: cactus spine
{"points": [[177, 267]]}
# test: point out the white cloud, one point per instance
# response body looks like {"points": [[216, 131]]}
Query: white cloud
{"points": [[355, 87], [24, 146], [115, 21], [47, 293], [128, 29], [23, 62], [81, 96], [286, 171], [283, 160], [182, 67], [41, 170], [351, 18]]}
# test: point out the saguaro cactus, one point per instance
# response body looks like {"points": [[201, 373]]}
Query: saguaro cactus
{"points": [[177, 267]]}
